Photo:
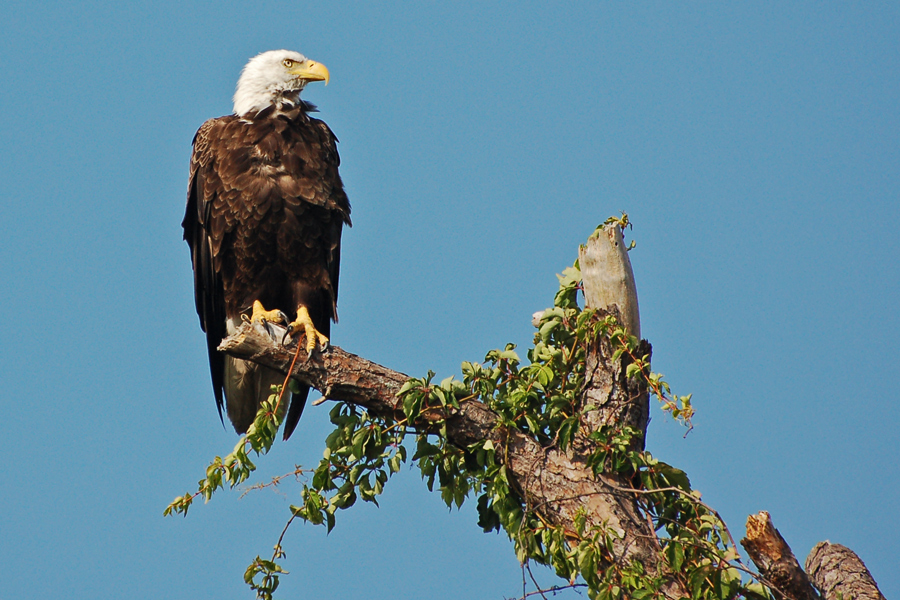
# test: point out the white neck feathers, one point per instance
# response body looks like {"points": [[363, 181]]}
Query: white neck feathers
{"points": [[263, 82]]}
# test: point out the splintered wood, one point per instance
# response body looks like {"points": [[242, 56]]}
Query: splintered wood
{"points": [[775, 561]]}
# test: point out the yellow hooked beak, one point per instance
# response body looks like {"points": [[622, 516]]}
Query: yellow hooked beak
{"points": [[312, 71]]}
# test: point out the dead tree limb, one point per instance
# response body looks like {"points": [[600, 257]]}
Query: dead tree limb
{"points": [[839, 573], [775, 561], [609, 286], [608, 276], [832, 569]]}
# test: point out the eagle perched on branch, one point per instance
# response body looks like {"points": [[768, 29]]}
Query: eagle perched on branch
{"points": [[265, 209]]}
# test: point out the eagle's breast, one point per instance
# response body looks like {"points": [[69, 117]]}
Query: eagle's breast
{"points": [[280, 218]]}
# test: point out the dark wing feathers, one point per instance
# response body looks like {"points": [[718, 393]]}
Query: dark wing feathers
{"points": [[332, 160], [259, 187], [200, 236]]}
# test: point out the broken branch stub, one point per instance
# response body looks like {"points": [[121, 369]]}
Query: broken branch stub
{"points": [[608, 276], [776, 563]]}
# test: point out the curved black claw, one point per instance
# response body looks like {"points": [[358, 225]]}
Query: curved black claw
{"points": [[269, 329]]}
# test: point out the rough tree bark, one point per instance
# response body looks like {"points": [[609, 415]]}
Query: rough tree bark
{"points": [[553, 483], [839, 573]]}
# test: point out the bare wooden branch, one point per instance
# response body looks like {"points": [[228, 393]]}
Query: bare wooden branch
{"points": [[839, 573], [335, 373], [775, 561], [608, 277]]}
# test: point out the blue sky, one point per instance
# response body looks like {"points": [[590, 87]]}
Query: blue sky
{"points": [[755, 146]]}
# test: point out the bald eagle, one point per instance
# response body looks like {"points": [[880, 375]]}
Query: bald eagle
{"points": [[265, 209]]}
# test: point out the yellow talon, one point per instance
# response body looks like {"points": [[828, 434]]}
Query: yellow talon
{"points": [[304, 322], [260, 313]]}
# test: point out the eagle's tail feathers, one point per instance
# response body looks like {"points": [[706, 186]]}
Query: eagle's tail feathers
{"points": [[298, 402], [246, 385]]}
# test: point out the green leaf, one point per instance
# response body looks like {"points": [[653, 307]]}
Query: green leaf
{"points": [[424, 449], [394, 463], [675, 477], [359, 440], [487, 518], [509, 355], [675, 554], [757, 591]]}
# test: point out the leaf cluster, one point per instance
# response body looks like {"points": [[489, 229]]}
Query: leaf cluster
{"points": [[360, 455], [270, 572], [237, 467]]}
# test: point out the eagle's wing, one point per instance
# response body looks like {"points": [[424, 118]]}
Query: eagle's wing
{"points": [[203, 233], [337, 201], [330, 194]]}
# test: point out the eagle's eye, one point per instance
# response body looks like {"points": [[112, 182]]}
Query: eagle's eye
{"points": [[288, 63]]}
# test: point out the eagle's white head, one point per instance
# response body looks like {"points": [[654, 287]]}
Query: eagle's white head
{"points": [[272, 76]]}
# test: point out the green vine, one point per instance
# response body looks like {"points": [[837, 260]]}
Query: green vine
{"points": [[540, 398]]}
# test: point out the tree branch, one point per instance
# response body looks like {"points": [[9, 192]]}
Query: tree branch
{"points": [[839, 573], [775, 561], [559, 485], [608, 276], [556, 484]]}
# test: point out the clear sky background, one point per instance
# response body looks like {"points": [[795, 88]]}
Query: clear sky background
{"points": [[756, 146]]}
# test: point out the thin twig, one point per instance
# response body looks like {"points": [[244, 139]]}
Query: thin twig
{"points": [[553, 589], [275, 481], [278, 550], [524, 583], [534, 581]]}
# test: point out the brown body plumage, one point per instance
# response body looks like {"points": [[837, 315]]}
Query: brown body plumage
{"points": [[264, 216]]}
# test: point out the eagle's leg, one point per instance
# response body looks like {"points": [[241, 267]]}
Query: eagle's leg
{"points": [[261, 314], [304, 323]]}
